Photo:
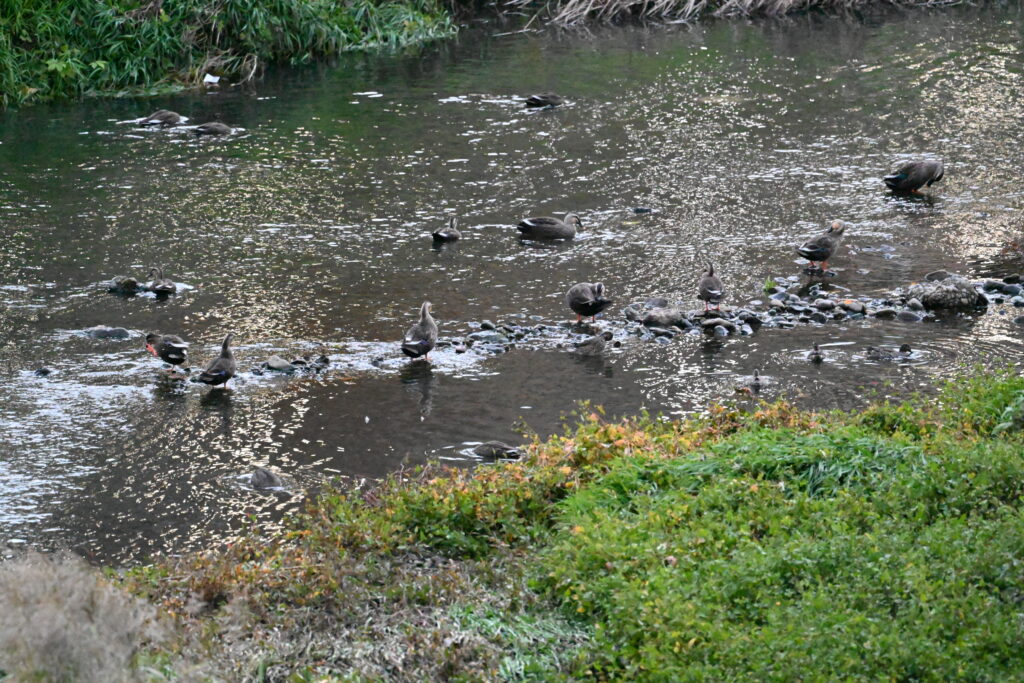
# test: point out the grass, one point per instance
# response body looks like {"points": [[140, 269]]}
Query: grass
{"points": [[70, 48], [767, 545]]}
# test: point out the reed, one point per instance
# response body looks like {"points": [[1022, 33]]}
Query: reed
{"points": [[70, 48]]}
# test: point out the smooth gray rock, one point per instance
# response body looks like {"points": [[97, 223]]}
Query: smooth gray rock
{"points": [[104, 332]]}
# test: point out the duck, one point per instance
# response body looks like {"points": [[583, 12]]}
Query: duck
{"points": [[593, 346], [548, 99], [587, 298], [125, 285], [212, 128], [161, 117], [421, 337], [911, 176], [262, 478], [709, 288], [497, 449], [222, 368], [170, 348], [816, 355], [161, 285], [877, 354], [547, 228], [449, 234], [753, 387], [821, 248]]}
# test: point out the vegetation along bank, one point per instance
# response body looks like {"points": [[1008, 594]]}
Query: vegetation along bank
{"points": [[70, 48], [759, 544]]}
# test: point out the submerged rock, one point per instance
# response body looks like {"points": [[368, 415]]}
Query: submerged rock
{"points": [[104, 332]]}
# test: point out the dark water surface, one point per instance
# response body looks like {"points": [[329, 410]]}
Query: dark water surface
{"points": [[308, 231]]}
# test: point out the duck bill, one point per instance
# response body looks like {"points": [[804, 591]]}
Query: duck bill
{"points": [[149, 347]]}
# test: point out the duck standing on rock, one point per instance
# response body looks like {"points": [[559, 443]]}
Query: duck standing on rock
{"points": [[710, 289], [222, 368], [160, 285], [170, 348], [548, 99], [449, 234], [161, 117], [587, 298], [821, 248], [911, 176], [547, 228], [421, 337]]}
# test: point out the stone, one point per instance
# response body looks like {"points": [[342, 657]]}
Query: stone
{"points": [[488, 325], [885, 313], [278, 364], [1012, 279], [488, 337], [661, 332], [852, 305], [664, 317], [819, 317], [711, 323], [915, 305], [824, 304], [908, 317], [937, 275], [952, 291], [720, 331], [656, 302]]}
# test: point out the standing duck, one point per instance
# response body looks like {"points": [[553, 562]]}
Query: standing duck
{"points": [[911, 176], [547, 228], [161, 117], [449, 234], [709, 288], [212, 128], [548, 99], [161, 286], [222, 368], [169, 348], [587, 299], [821, 248], [816, 355], [422, 336]]}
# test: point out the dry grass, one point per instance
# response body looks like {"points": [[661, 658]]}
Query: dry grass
{"points": [[60, 620], [568, 12]]}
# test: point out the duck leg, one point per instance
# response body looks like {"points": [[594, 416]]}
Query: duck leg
{"points": [[579, 318]]}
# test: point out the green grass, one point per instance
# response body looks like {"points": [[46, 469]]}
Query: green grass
{"points": [[885, 544], [70, 48]]}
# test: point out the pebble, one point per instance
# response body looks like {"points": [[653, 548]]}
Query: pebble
{"points": [[720, 331], [488, 325], [819, 317], [1019, 320], [885, 313], [915, 305], [853, 306], [656, 302], [1012, 279], [278, 364], [1017, 301], [663, 340], [824, 304]]}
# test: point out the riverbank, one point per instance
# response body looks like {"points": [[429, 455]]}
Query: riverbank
{"points": [[74, 48], [765, 542]]}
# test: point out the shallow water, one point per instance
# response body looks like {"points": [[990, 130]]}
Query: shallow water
{"points": [[307, 231]]}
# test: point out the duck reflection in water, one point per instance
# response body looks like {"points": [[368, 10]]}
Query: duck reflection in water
{"points": [[419, 377]]}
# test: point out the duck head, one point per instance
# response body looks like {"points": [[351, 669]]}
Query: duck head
{"points": [[837, 228], [151, 338], [225, 348], [574, 220]]}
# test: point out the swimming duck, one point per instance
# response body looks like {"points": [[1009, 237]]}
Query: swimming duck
{"points": [[875, 353], [822, 247], [497, 449], [160, 284], [587, 299], [222, 368], [547, 228], [170, 348], [816, 355], [709, 288], [212, 128], [593, 346], [161, 117], [449, 234], [911, 176], [422, 336], [125, 285], [548, 99], [262, 478], [753, 387]]}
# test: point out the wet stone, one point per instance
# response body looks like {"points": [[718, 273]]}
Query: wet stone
{"points": [[885, 313], [663, 340], [908, 317], [915, 305], [720, 331], [1017, 301], [819, 317], [853, 306], [104, 332], [937, 275], [1019, 320], [661, 332], [656, 302], [1012, 279], [487, 325], [488, 337], [824, 304]]}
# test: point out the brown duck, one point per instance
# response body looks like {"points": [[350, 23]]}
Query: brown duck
{"points": [[821, 248], [709, 288], [222, 368], [548, 228], [911, 176]]}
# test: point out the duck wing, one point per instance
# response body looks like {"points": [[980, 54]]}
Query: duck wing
{"points": [[219, 370]]}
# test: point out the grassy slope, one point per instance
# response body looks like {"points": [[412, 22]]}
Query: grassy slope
{"points": [[67, 48], [772, 545]]}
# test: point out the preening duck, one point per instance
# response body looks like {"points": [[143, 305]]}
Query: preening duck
{"points": [[587, 298], [911, 176]]}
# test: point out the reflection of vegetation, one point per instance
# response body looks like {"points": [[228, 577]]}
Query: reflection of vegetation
{"points": [[882, 544], [75, 47]]}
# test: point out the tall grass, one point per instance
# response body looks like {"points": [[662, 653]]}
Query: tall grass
{"points": [[57, 48]]}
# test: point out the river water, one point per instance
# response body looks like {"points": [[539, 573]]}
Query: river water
{"points": [[307, 231]]}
